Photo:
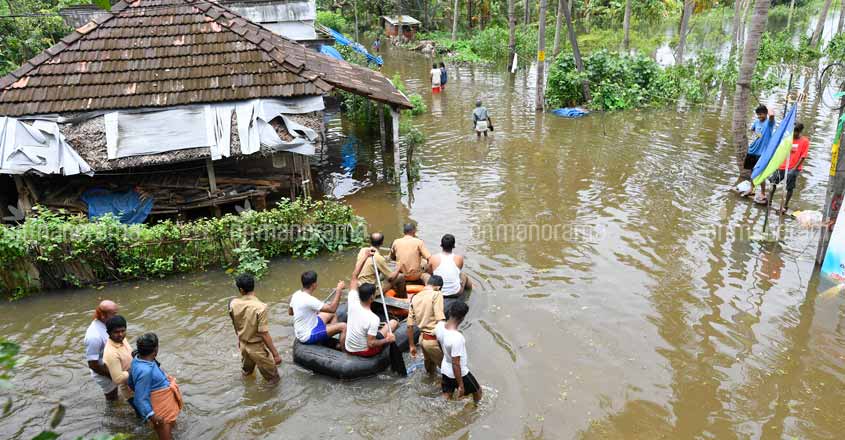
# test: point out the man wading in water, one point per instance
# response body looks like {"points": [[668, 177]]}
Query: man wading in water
{"points": [[249, 317], [95, 343], [481, 120]]}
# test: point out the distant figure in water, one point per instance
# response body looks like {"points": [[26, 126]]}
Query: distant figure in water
{"points": [[157, 397], [315, 322], [95, 343], [791, 167], [444, 77], [252, 326], [454, 368], [377, 44], [481, 119], [435, 78]]}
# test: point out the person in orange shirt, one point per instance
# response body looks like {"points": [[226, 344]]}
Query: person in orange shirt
{"points": [[791, 168], [409, 253]]}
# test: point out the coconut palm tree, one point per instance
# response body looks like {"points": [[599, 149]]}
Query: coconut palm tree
{"points": [[512, 33], [541, 56], [817, 35], [579, 65], [743, 83], [455, 12], [689, 5], [626, 26], [558, 21]]}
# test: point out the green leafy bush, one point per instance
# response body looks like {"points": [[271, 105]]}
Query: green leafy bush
{"points": [[333, 20], [70, 251]]}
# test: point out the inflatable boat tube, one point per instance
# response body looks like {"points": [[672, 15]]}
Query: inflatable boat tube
{"points": [[335, 363]]}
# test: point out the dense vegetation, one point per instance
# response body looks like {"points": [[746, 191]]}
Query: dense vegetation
{"points": [[71, 251]]}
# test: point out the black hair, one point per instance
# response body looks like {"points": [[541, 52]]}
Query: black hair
{"points": [[245, 282], [376, 239], [442, 65], [409, 227], [799, 127], [366, 291], [435, 281], [458, 310], [115, 322], [447, 242], [762, 109], [434, 65], [308, 278], [147, 344]]}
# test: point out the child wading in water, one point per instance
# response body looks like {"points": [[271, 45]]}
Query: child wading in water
{"points": [[455, 366]]}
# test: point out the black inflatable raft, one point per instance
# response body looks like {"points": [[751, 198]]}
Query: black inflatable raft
{"points": [[330, 362]]}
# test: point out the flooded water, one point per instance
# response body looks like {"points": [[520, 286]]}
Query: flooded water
{"points": [[621, 293]]}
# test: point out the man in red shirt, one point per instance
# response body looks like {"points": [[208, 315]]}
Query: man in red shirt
{"points": [[794, 164]]}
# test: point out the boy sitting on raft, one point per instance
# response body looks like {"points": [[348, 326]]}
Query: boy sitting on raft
{"points": [[363, 337], [455, 366], [315, 322]]}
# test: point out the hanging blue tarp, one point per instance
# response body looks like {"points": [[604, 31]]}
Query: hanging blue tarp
{"points": [[777, 150], [127, 206], [357, 47], [568, 112], [330, 51]]}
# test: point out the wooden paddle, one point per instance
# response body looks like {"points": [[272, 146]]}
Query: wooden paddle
{"points": [[397, 361]]}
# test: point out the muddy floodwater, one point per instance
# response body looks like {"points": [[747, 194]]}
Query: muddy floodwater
{"points": [[621, 293]]}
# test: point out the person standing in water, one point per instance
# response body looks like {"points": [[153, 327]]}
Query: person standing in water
{"points": [[434, 74], [425, 312], [249, 317], [157, 397], [444, 77], [95, 343], [117, 356], [377, 44], [791, 167], [448, 266], [761, 132], [480, 119], [455, 366]]}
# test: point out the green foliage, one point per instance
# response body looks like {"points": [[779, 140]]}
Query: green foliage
{"points": [[835, 49], [58, 243], [250, 260], [333, 20]]}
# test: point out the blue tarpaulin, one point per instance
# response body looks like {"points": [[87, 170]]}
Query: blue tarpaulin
{"points": [[568, 112], [357, 47], [330, 51], [127, 206]]}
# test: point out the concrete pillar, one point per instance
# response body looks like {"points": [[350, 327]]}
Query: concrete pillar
{"points": [[394, 114]]}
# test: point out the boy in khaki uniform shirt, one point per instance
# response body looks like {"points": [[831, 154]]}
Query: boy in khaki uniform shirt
{"points": [[249, 317], [425, 312]]}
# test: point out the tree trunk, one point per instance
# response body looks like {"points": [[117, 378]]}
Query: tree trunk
{"points": [[355, 7], [682, 41], [841, 17], [455, 13], [541, 56], [469, 14], [737, 16], [817, 35], [789, 17], [527, 11], [739, 124], [626, 26], [558, 22], [512, 33], [573, 41]]}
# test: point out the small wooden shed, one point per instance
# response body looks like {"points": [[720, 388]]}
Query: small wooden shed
{"points": [[405, 25]]}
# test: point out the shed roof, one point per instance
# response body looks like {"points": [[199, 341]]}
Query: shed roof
{"points": [[406, 19], [159, 53]]}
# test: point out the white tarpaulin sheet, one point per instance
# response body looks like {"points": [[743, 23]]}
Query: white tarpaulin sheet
{"points": [[38, 146], [136, 133]]}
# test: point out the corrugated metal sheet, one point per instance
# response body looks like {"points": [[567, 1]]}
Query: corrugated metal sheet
{"points": [[158, 53]]}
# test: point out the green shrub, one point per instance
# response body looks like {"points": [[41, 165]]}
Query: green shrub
{"points": [[333, 20]]}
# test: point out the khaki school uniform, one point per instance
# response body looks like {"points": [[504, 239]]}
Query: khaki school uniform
{"points": [[249, 316], [409, 252], [426, 311]]}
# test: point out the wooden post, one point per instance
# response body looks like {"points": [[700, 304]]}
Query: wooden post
{"points": [[394, 113], [24, 198], [541, 57], [835, 191], [212, 180], [381, 128]]}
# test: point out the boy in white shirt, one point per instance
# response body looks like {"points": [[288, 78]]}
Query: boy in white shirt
{"points": [[363, 337], [455, 366], [315, 322]]}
